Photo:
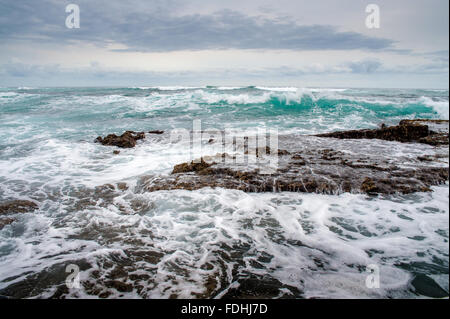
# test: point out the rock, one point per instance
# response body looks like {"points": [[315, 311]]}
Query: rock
{"points": [[334, 168], [267, 151], [122, 186], [116, 152], [333, 172], [283, 152], [422, 122], [5, 221], [17, 206], [191, 167], [424, 285], [435, 139], [35, 284], [119, 286], [368, 186], [156, 132], [406, 131], [261, 287], [126, 140]]}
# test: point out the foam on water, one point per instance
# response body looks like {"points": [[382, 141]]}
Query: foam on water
{"points": [[319, 244]]}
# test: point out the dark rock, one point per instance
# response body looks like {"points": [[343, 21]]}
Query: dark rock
{"points": [[156, 132], [119, 286], [425, 158], [368, 186], [283, 152], [191, 167], [334, 172], [126, 140], [34, 284], [425, 286], [17, 206], [435, 139], [259, 287], [116, 152], [267, 150], [422, 121], [5, 221], [122, 186], [406, 131]]}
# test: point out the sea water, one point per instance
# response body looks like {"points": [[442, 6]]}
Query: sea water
{"points": [[175, 243]]}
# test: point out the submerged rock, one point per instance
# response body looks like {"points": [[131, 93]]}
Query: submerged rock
{"points": [[407, 131], [425, 286], [14, 207], [5, 221], [17, 206], [126, 140], [261, 287]]}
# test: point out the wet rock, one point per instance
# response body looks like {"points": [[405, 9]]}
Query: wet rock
{"points": [[267, 151], [34, 284], [368, 186], [122, 186], [283, 152], [259, 287], [104, 294], [406, 131], [320, 171], [425, 158], [423, 121], [316, 165], [5, 221], [425, 286], [116, 152], [119, 286], [435, 139], [126, 140], [194, 166], [156, 132], [17, 206]]}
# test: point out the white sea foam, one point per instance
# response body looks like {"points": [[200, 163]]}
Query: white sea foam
{"points": [[441, 107], [319, 244], [277, 89], [191, 229]]}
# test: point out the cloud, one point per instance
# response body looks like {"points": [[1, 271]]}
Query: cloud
{"points": [[18, 69], [366, 66], [363, 74], [157, 29], [96, 70]]}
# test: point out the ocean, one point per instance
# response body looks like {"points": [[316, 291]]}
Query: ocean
{"points": [[208, 242]]}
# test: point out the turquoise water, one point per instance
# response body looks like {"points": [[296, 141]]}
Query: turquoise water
{"points": [[90, 111], [48, 155]]}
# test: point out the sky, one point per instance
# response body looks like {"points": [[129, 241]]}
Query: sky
{"points": [[302, 43]]}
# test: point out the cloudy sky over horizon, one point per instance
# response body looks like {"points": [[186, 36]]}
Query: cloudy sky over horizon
{"points": [[238, 42]]}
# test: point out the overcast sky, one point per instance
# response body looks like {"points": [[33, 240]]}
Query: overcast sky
{"points": [[300, 43]]}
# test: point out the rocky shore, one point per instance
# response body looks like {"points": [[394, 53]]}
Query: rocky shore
{"points": [[357, 161], [406, 158], [335, 168]]}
